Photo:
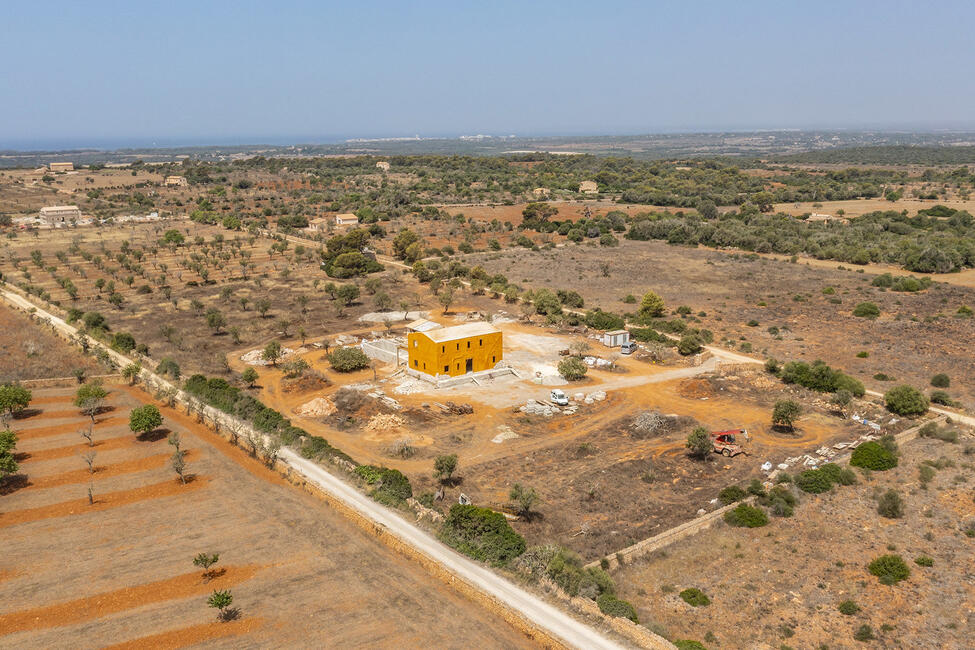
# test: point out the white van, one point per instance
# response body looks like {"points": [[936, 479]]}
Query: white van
{"points": [[628, 348], [559, 397]]}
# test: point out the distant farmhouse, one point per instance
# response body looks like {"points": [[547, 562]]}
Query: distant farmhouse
{"points": [[383, 165], [826, 218], [176, 181], [59, 214], [346, 219], [61, 167], [588, 187], [319, 224]]}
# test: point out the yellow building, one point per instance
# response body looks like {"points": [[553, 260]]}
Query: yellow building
{"points": [[61, 167], [455, 350]]}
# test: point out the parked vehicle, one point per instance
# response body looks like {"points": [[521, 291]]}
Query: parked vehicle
{"points": [[559, 397], [728, 443], [628, 348]]}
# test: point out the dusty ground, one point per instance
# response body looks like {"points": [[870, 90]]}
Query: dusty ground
{"points": [[780, 585], [915, 337], [588, 468], [29, 352], [120, 572]]}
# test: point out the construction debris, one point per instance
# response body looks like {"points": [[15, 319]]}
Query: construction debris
{"points": [[318, 407], [255, 357], [504, 433], [455, 409], [385, 422]]}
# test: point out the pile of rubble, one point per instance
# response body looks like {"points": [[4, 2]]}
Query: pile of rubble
{"points": [[385, 400], [255, 357], [385, 422], [504, 433], [455, 409], [318, 407], [411, 385], [589, 398]]}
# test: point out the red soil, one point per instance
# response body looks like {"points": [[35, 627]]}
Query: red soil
{"points": [[119, 600], [167, 488], [188, 636]]}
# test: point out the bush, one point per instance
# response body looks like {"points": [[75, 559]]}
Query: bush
{"points": [[891, 505], [780, 500], [731, 494], [873, 456], [941, 397], [689, 344], [906, 400], [890, 569], [604, 320], [941, 380], [348, 359], [814, 481], [848, 607], [866, 310], [393, 487], [772, 366], [864, 633], [746, 516], [932, 430], [613, 606], [924, 560], [699, 443], [572, 368], [481, 534], [695, 597], [837, 474]]}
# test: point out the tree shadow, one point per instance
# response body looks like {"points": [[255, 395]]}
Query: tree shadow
{"points": [[13, 483], [531, 516], [453, 481], [230, 614], [153, 436], [104, 408], [24, 414], [21, 456], [786, 430], [216, 573]]}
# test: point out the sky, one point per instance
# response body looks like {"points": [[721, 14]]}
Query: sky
{"points": [[111, 73]]}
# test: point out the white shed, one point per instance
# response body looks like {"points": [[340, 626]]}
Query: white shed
{"points": [[616, 338]]}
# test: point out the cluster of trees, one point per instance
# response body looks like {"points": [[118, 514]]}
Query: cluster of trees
{"points": [[343, 255], [923, 243]]}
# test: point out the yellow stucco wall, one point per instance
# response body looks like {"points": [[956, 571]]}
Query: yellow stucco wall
{"points": [[450, 357]]}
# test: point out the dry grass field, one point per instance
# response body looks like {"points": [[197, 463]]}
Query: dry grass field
{"points": [[781, 585], [29, 352], [119, 573]]}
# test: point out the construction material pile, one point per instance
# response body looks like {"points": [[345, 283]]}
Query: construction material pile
{"points": [[255, 357], [318, 407], [455, 409], [385, 422]]}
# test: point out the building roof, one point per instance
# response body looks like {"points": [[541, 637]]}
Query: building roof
{"points": [[423, 325], [347, 216], [617, 332], [58, 208], [460, 332]]}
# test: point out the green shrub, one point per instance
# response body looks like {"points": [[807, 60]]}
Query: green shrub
{"points": [[941, 397], [695, 597], [746, 516], [839, 475], [368, 473], [906, 400], [731, 494], [613, 606], [482, 534], [689, 344], [932, 430], [848, 607], [941, 380], [566, 569], [393, 487], [688, 644], [814, 481], [890, 569], [780, 500], [864, 633], [572, 369], [866, 310], [890, 505], [348, 359], [873, 456], [924, 560]]}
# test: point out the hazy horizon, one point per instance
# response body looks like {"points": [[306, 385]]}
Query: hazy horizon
{"points": [[112, 74]]}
